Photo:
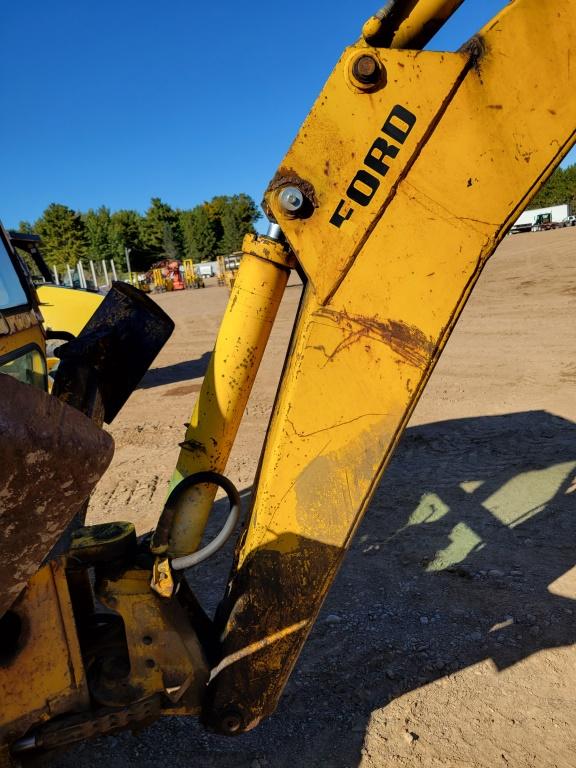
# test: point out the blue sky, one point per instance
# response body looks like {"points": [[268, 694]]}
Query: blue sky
{"points": [[115, 102]]}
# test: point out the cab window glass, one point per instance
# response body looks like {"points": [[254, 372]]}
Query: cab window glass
{"points": [[11, 290], [28, 367]]}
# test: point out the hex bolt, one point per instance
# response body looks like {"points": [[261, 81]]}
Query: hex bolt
{"points": [[367, 70], [291, 200]]}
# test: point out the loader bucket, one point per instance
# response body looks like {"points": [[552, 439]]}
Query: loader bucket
{"points": [[112, 352], [51, 457]]}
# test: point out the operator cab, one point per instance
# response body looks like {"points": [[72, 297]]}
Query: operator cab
{"points": [[22, 343]]}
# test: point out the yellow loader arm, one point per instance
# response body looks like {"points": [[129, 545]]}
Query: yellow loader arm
{"points": [[404, 178]]}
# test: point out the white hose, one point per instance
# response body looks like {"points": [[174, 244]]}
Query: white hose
{"points": [[162, 533], [187, 561]]}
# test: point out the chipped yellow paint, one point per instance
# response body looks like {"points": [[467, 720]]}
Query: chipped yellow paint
{"points": [[165, 654], [410, 188], [467, 138], [334, 141], [417, 19], [45, 677], [162, 580], [28, 334], [242, 338], [378, 313]]}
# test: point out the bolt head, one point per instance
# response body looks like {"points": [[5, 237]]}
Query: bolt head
{"points": [[367, 69], [291, 199]]}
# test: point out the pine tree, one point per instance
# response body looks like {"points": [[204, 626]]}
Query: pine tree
{"points": [[558, 190], [63, 235], [199, 233], [160, 226], [204, 232], [238, 219], [99, 234]]}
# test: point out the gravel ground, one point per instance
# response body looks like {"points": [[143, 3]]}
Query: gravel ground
{"points": [[447, 639]]}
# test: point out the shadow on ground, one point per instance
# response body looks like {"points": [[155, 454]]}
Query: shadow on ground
{"points": [[170, 374], [473, 522]]}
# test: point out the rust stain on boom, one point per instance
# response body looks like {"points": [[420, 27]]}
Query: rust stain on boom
{"points": [[405, 340]]}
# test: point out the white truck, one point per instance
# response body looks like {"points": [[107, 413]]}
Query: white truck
{"points": [[541, 218], [206, 269]]}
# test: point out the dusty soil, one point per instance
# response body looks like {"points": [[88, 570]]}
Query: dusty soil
{"points": [[446, 640]]}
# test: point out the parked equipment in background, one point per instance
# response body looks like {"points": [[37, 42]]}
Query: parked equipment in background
{"points": [[205, 269], [539, 219], [228, 269], [544, 223], [64, 311], [167, 275], [192, 276]]}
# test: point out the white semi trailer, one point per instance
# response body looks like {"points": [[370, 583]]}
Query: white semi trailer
{"points": [[541, 218]]}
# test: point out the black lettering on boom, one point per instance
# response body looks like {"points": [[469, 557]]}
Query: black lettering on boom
{"points": [[361, 182], [378, 151], [399, 124], [337, 217], [364, 185]]}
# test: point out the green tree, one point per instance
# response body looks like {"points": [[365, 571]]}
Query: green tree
{"points": [[238, 218], [218, 226], [160, 229], [125, 226], [171, 249], [559, 189], [99, 234], [215, 209], [63, 235], [212, 228], [199, 232]]}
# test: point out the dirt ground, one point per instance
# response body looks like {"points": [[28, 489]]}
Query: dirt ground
{"points": [[447, 641]]}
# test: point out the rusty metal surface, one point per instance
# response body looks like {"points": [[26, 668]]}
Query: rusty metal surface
{"points": [[75, 728], [287, 177], [21, 321], [41, 674], [407, 341], [51, 457], [267, 614], [165, 654]]}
